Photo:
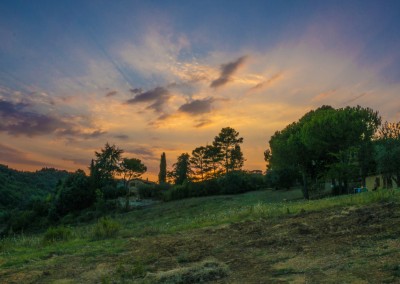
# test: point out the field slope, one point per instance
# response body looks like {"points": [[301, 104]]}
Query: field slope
{"points": [[257, 237]]}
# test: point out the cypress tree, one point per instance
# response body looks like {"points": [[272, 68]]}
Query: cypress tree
{"points": [[162, 176]]}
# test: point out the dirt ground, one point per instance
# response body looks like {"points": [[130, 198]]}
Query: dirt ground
{"points": [[346, 245]]}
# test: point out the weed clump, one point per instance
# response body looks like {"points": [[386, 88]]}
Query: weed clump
{"points": [[105, 228], [57, 234]]}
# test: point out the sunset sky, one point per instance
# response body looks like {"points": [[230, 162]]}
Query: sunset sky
{"points": [[166, 76]]}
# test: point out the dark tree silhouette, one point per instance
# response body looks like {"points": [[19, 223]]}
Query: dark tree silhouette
{"points": [[200, 162], [162, 176], [181, 169], [131, 168], [105, 166], [228, 142]]}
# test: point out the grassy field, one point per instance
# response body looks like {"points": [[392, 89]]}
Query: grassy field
{"points": [[257, 237]]}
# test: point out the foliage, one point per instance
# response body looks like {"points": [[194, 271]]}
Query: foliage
{"points": [[105, 166], [322, 142], [387, 151], [231, 183], [200, 163], [228, 142], [181, 169], [19, 189], [74, 194], [105, 228], [214, 158], [282, 178], [153, 191], [56, 234], [162, 176], [131, 168]]}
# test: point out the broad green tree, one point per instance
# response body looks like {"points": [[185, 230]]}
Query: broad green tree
{"points": [[162, 176], [228, 142], [324, 141]]}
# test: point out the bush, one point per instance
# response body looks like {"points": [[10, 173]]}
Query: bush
{"points": [[57, 234], [112, 192], [20, 221], [283, 178], [146, 190], [154, 191], [75, 194], [105, 228], [231, 183]]}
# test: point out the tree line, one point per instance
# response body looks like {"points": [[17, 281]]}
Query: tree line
{"points": [[224, 155]]}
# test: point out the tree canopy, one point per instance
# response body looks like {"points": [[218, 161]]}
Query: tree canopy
{"points": [[162, 176], [324, 142], [228, 142]]}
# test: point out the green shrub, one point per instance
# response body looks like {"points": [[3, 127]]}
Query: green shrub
{"points": [[105, 228], [233, 182], [56, 234], [21, 220], [146, 191]]}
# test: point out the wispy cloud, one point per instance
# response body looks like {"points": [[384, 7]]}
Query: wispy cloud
{"points": [[78, 161], [122, 136], [111, 94], [202, 122], [143, 152], [14, 156], [227, 70], [136, 91], [266, 83]]}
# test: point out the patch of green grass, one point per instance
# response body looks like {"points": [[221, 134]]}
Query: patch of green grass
{"points": [[56, 234], [89, 243], [105, 228]]}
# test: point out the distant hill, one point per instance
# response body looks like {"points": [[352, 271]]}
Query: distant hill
{"points": [[18, 188]]}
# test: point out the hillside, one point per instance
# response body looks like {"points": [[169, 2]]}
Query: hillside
{"points": [[18, 188], [257, 237]]}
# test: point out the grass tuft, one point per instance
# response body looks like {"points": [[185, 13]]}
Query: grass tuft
{"points": [[57, 234], [105, 228]]}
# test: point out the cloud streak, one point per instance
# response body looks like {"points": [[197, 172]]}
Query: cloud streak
{"points": [[226, 72], [143, 152], [111, 94], [11, 155], [265, 84]]}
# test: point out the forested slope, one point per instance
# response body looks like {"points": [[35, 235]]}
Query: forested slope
{"points": [[18, 189]]}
